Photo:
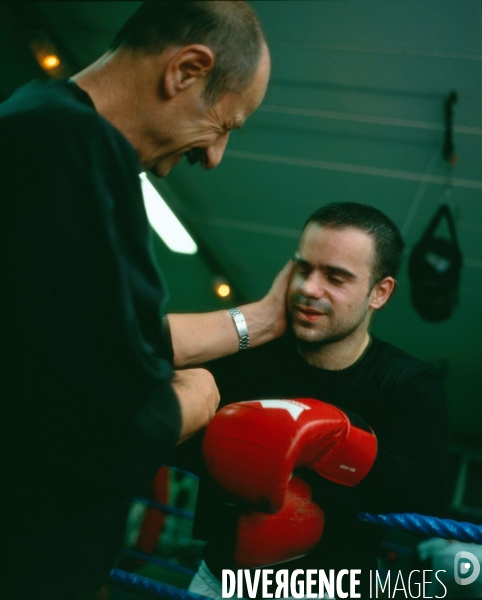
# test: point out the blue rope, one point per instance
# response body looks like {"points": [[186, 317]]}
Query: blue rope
{"points": [[158, 561], [151, 587], [413, 522], [433, 526]]}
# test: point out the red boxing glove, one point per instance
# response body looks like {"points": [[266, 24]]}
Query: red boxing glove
{"points": [[251, 448], [264, 539]]}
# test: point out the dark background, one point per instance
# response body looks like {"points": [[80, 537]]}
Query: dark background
{"points": [[354, 111]]}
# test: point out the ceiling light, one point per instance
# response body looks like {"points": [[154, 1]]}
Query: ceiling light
{"points": [[50, 62], [164, 221], [223, 290], [46, 55]]}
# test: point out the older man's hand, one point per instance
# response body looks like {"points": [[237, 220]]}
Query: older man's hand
{"points": [[267, 317], [199, 338]]}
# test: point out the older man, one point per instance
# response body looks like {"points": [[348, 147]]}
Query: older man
{"points": [[345, 268], [89, 404]]}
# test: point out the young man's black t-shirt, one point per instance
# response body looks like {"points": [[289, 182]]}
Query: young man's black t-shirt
{"points": [[399, 396]]}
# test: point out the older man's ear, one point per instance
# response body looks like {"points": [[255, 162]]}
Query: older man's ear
{"points": [[185, 67]]}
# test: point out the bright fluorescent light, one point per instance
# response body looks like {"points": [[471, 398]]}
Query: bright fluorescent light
{"points": [[164, 221]]}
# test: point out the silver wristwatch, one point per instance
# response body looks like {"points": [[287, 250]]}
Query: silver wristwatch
{"points": [[242, 328]]}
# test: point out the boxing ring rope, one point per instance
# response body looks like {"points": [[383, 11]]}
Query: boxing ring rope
{"points": [[432, 526], [412, 522], [160, 562]]}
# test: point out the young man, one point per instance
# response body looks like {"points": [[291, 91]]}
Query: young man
{"points": [[345, 268], [89, 405]]}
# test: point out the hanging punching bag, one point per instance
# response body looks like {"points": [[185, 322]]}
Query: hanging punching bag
{"points": [[434, 271]]}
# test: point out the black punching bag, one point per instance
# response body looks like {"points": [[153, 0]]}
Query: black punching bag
{"points": [[434, 271]]}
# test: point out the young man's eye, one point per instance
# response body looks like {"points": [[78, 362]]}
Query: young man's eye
{"points": [[335, 280]]}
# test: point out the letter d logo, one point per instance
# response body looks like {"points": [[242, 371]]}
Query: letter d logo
{"points": [[464, 568]]}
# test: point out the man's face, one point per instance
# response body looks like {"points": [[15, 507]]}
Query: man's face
{"points": [[202, 130], [330, 291]]}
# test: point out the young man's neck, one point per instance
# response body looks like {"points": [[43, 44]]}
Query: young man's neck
{"points": [[338, 355]]}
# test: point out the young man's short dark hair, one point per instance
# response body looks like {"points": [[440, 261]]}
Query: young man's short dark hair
{"points": [[386, 236]]}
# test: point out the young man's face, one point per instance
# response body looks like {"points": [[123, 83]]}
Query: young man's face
{"points": [[201, 129], [330, 292]]}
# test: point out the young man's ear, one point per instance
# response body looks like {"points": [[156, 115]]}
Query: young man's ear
{"points": [[381, 292], [186, 67]]}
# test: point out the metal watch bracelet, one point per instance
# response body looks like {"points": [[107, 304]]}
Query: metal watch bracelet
{"points": [[241, 327]]}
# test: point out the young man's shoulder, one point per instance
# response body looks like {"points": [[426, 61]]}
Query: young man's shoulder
{"points": [[392, 353], [398, 365]]}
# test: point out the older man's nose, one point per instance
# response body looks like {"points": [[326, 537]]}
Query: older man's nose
{"points": [[214, 153]]}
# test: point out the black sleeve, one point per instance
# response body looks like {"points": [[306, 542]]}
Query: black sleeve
{"points": [[409, 473], [86, 361]]}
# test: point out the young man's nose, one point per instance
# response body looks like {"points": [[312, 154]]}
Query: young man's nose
{"points": [[313, 285]]}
